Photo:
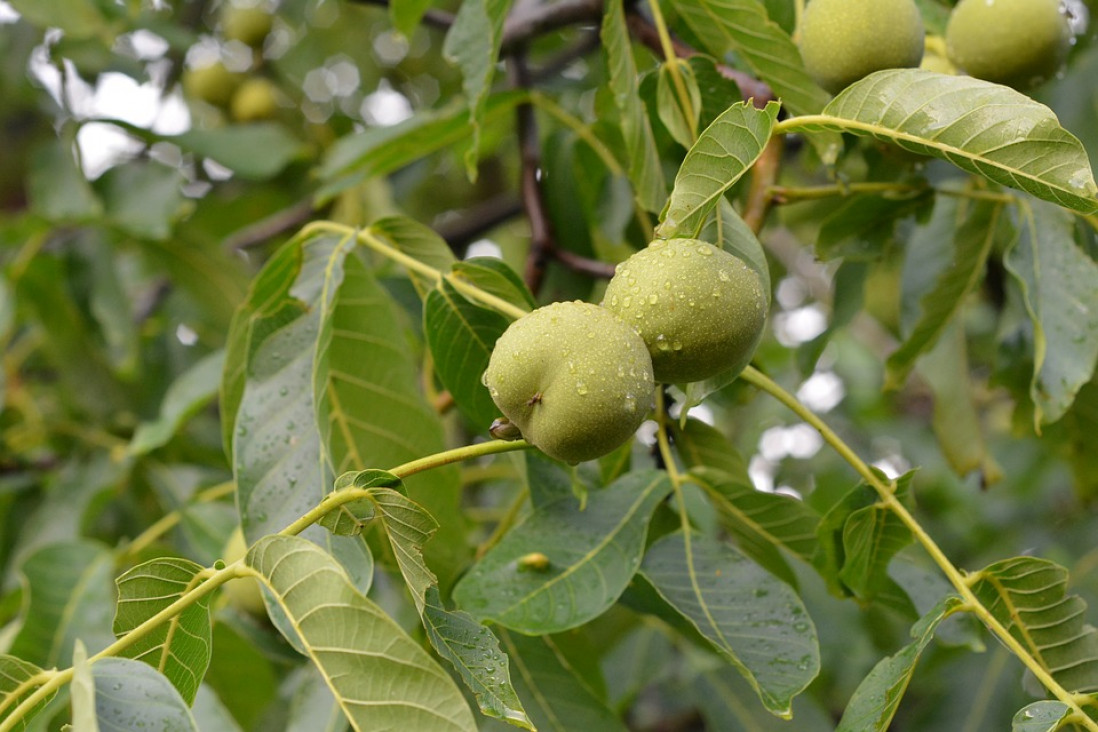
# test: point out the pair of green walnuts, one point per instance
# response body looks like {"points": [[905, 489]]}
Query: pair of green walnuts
{"points": [[1019, 43], [578, 379]]}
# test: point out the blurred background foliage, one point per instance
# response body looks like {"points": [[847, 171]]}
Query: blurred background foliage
{"points": [[136, 205]]}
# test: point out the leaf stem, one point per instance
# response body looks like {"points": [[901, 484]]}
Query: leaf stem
{"points": [[336, 499], [887, 495], [370, 239], [672, 60], [664, 443]]}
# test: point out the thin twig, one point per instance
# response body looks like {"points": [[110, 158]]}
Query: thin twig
{"points": [[266, 228], [543, 244], [460, 229], [541, 230]]}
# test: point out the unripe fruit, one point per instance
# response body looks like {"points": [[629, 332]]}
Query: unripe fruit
{"points": [[575, 379], [250, 26], [843, 40], [213, 84], [699, 309], [256, 99], [242, 593], [1015, 42]]}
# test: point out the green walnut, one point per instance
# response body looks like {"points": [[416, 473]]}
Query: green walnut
{"points": [[574, 378], [242, 593], [1019, 43], [256, 99], [699, 309], [843, 40], [213, 84], [248, 25]]}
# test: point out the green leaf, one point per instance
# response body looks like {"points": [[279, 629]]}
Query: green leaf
{"points": [[473, 44], [254, 152], [762, 523], [67, 596], [972, 243], [1057, 281], [752, 619], [381, 150], [379, 676], [718, 92], [14, 672], [252, 320], [592, 554], [496, 278], [276, 446], [1028, 596], [956, 422], [1041, 716], [862, 226], [419, 242], [727, 701], [407, 14], [277, 451], [76, 18], [351, 517], [210, 713], [743, 27], [723, 153], [858, 537], [675, 119], [56, 186], [876, 699], [702, 446], [982, 128], [82, 692], [130, 695], [645, 173], [186, 396], [558, 699], [179, 648], [461, 336], [142, 198], [370, 410], [457, 637], [728, 229]]}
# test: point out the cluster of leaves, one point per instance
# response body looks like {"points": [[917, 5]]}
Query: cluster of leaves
{"points": [[185, 356]]}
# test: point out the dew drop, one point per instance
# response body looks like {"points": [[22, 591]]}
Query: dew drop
{"points": [[630, 403], [676, 346], [627, 301], [662, 343], [581, 388], [723, 275], [653, 299], [705, 250]]}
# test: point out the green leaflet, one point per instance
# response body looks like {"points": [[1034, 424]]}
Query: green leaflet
{"points": [[380, 677]]}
